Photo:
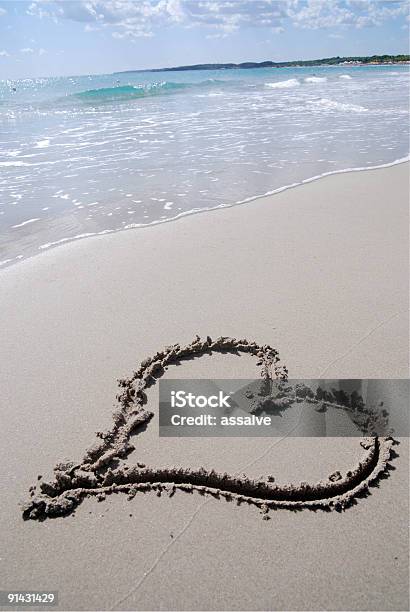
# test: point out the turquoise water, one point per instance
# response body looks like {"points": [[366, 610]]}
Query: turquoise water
{"points": [[95, 154]]}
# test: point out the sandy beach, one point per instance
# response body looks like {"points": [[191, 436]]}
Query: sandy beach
{"points": [[320, 273]]}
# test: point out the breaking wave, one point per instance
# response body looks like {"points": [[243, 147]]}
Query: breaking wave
{"points": [[283, 84], [126, 92], [314, 79]]}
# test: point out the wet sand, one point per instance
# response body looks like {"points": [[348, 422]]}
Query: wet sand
{"points": [[320, 274]]}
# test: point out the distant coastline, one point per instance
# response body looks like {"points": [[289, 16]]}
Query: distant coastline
{"points": [[327, 61]]}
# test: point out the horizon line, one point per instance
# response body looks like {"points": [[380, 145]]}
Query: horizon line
{"points": [[226, 66]]}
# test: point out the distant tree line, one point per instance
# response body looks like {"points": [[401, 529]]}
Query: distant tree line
{"points": [[327, 61]]}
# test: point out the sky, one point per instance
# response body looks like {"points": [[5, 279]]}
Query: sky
{"points": [[73, 37]]}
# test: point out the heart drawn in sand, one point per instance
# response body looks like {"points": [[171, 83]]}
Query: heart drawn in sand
{"points": [[99, 475]]}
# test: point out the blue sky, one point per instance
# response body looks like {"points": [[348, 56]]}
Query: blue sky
{"points": [[71, 37]]}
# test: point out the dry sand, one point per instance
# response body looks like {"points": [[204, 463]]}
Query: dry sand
{"points": [[320, 273]]}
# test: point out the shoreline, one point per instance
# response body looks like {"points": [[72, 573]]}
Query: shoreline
{"points": [[7, 263], [170, 248]]}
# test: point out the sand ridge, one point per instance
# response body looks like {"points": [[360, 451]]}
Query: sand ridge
{"points": [[98, 475]]}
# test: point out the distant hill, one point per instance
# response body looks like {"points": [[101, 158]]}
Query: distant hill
{"points": [[327, 61]]}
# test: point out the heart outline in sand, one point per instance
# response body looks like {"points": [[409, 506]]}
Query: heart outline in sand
{"points": [[96, 476]]}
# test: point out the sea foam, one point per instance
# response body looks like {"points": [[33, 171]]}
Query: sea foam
{"points": [[283, 84], [333, 105], [314, 79]]}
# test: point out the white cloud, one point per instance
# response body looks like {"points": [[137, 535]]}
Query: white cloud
{"points": [[27, 50], [137, 18], [42, 51], [131, 34], [90, 28], [4, 54], [217, 35], [2, 11]]}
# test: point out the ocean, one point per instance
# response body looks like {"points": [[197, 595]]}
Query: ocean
{"points": [[88, 155]]}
